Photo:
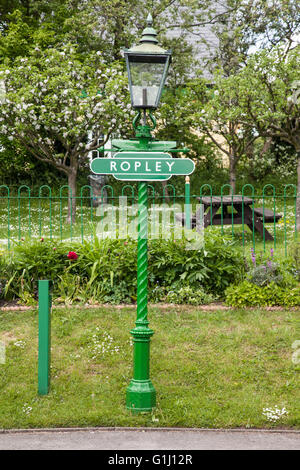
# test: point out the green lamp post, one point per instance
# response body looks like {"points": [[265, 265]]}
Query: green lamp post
{"points": [[143, 159], [147, 66]]}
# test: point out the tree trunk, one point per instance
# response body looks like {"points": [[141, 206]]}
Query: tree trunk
{"points": [[267, 145], [232, 175], [165, 192], [298, 193], [72, 195]]}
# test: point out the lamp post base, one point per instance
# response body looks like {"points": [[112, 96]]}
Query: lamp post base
{"points": [[140, 396]]}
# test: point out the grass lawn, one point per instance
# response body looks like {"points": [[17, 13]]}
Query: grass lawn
{"points": [[211, 369]]}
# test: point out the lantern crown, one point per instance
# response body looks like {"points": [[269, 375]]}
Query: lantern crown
{"points": [[147, 66], [148, 42]]}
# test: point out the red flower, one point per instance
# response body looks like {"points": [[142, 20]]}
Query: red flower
{"points": [[72, 255]]}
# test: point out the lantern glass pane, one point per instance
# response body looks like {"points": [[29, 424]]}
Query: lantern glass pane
{"points": [[146, 80]]}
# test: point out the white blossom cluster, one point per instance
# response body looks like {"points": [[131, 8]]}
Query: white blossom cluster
{"points": [[52, 97]]}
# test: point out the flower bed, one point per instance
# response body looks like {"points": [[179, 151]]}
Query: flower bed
{"points": [[105, 270]]}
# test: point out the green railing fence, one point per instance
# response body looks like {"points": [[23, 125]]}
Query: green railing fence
{"points": [[29, 215]]}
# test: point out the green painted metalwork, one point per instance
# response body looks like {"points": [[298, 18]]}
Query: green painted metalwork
{"points": [[91, 209], [187, 203], [142, 166], [61, 197], [210, 194], [8, 214], [125, 188], [284, 213], [166, 190], [31, 215], [165, 216], [243, 215], [50, 209], [141, 395], [222, 208], [19, 210], [151, 187], [267, 186], [143, 130], [44, 336]]}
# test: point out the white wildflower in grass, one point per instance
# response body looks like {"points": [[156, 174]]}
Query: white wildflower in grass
{"points": [[274, 414], [20, 344], [102, 344], [27, 409]]}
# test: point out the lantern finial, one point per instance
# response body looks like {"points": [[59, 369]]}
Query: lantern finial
{"points": [[149, 34], [149, 20]]}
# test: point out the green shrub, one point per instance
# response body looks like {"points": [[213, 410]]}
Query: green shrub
{"points": [[30, 262], [294, 252], [268, 283], [250, 294], [187, 295], [105, 270], [270, 272], [214, 267]]}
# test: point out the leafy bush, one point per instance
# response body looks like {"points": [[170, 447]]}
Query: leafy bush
{"points": [[266, 284], [180, 295], [250, 294], [187, 295], [271, 272], [30, 262], [105, 270], [2, 288], [294, 252], [214, 267]]}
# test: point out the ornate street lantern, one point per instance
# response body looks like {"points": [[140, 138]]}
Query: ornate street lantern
{"points": [[147, 66]]}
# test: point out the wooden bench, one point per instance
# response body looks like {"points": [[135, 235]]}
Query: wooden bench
{"points": [[244, 215], [266, 215]]}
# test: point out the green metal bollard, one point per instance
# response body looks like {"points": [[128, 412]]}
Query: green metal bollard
{"points": [[140, 394], [44, 337], [187, 205]]}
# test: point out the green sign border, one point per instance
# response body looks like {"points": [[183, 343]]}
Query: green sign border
{"points": [[142, 176]]}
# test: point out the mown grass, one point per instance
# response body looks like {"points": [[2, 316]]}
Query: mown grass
{"points": [[210, 369]]}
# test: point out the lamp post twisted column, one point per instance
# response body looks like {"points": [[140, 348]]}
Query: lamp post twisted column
{"points": [[142, 256], [141, 395]]}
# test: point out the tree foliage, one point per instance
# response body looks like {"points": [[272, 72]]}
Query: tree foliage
{"points": [[54, 100], [267, 95]]}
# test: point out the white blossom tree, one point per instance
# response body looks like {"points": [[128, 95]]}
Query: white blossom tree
{"points": [[267, 93], [54, 98], [218, 117]]}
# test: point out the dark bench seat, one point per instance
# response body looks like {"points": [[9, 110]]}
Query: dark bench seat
{"points": [[266, 214]]}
